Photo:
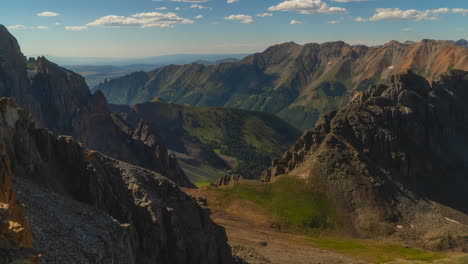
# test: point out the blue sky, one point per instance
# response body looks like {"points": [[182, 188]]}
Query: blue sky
{"points": [[143, 28]]}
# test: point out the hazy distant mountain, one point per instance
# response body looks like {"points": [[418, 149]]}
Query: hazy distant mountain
{"points": [[462, 43], [297, 82], [207, 63], [156, 60], [97, 74]]}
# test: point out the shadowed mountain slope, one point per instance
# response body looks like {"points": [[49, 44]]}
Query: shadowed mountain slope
{"points": [[225, 139], [84, 207], [61, 101]]}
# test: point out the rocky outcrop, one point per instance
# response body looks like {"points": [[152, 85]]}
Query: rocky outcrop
{"points": [[395, 154], [88, 208], [61, 101], [228, 180], [296, 82]]}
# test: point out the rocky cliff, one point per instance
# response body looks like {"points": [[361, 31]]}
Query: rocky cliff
{"points": [[61, 101], [84, 207], [394, 159], [16, 242], [297, 82]]}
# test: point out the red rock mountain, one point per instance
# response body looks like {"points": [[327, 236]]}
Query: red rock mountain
{"points": [[297, 82]]}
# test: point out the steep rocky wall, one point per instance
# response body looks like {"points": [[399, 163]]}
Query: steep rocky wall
{"points": [[88, 208], [393, 153], [60, 100]]}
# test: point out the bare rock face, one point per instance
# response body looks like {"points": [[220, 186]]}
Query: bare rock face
{"points": [[16, 242], [87, 208], [61, 101], [14, 80], [394, 155]]}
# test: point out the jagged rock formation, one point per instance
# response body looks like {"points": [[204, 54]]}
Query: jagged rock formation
{"points": [[396, 155], [297, 82], [61, 101], [87, 208], [228, 180]]}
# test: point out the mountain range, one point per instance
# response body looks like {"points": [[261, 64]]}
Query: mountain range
{"points": [[296, 82], [87, 181]]}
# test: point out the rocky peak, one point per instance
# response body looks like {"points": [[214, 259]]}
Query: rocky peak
{"points": [[118, 213], [60, 100], [389, 143]]}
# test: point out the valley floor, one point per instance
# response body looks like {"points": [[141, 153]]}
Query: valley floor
{"points": [[259, 245], [254, 240]]}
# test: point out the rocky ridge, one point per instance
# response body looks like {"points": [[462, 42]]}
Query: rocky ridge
{"points": [[84, 207], [60, 100], [393, 160], [296, 82]]}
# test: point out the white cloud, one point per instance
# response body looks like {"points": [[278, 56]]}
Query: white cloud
{"points": [[42, 27], [265, 15], [17, 27], [307, 7], [58, 23], [177, 8], [334, 22], [161, 8], [295, 22], [348, 1], [408, 29], [76, 28], [441, 11], [242, 18], [460, 11], [360, 19], [190, 1], [48, 14], [143, 20], [199, 17], [231, 1], [198, 6], [410, 14], [215, 23]]}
